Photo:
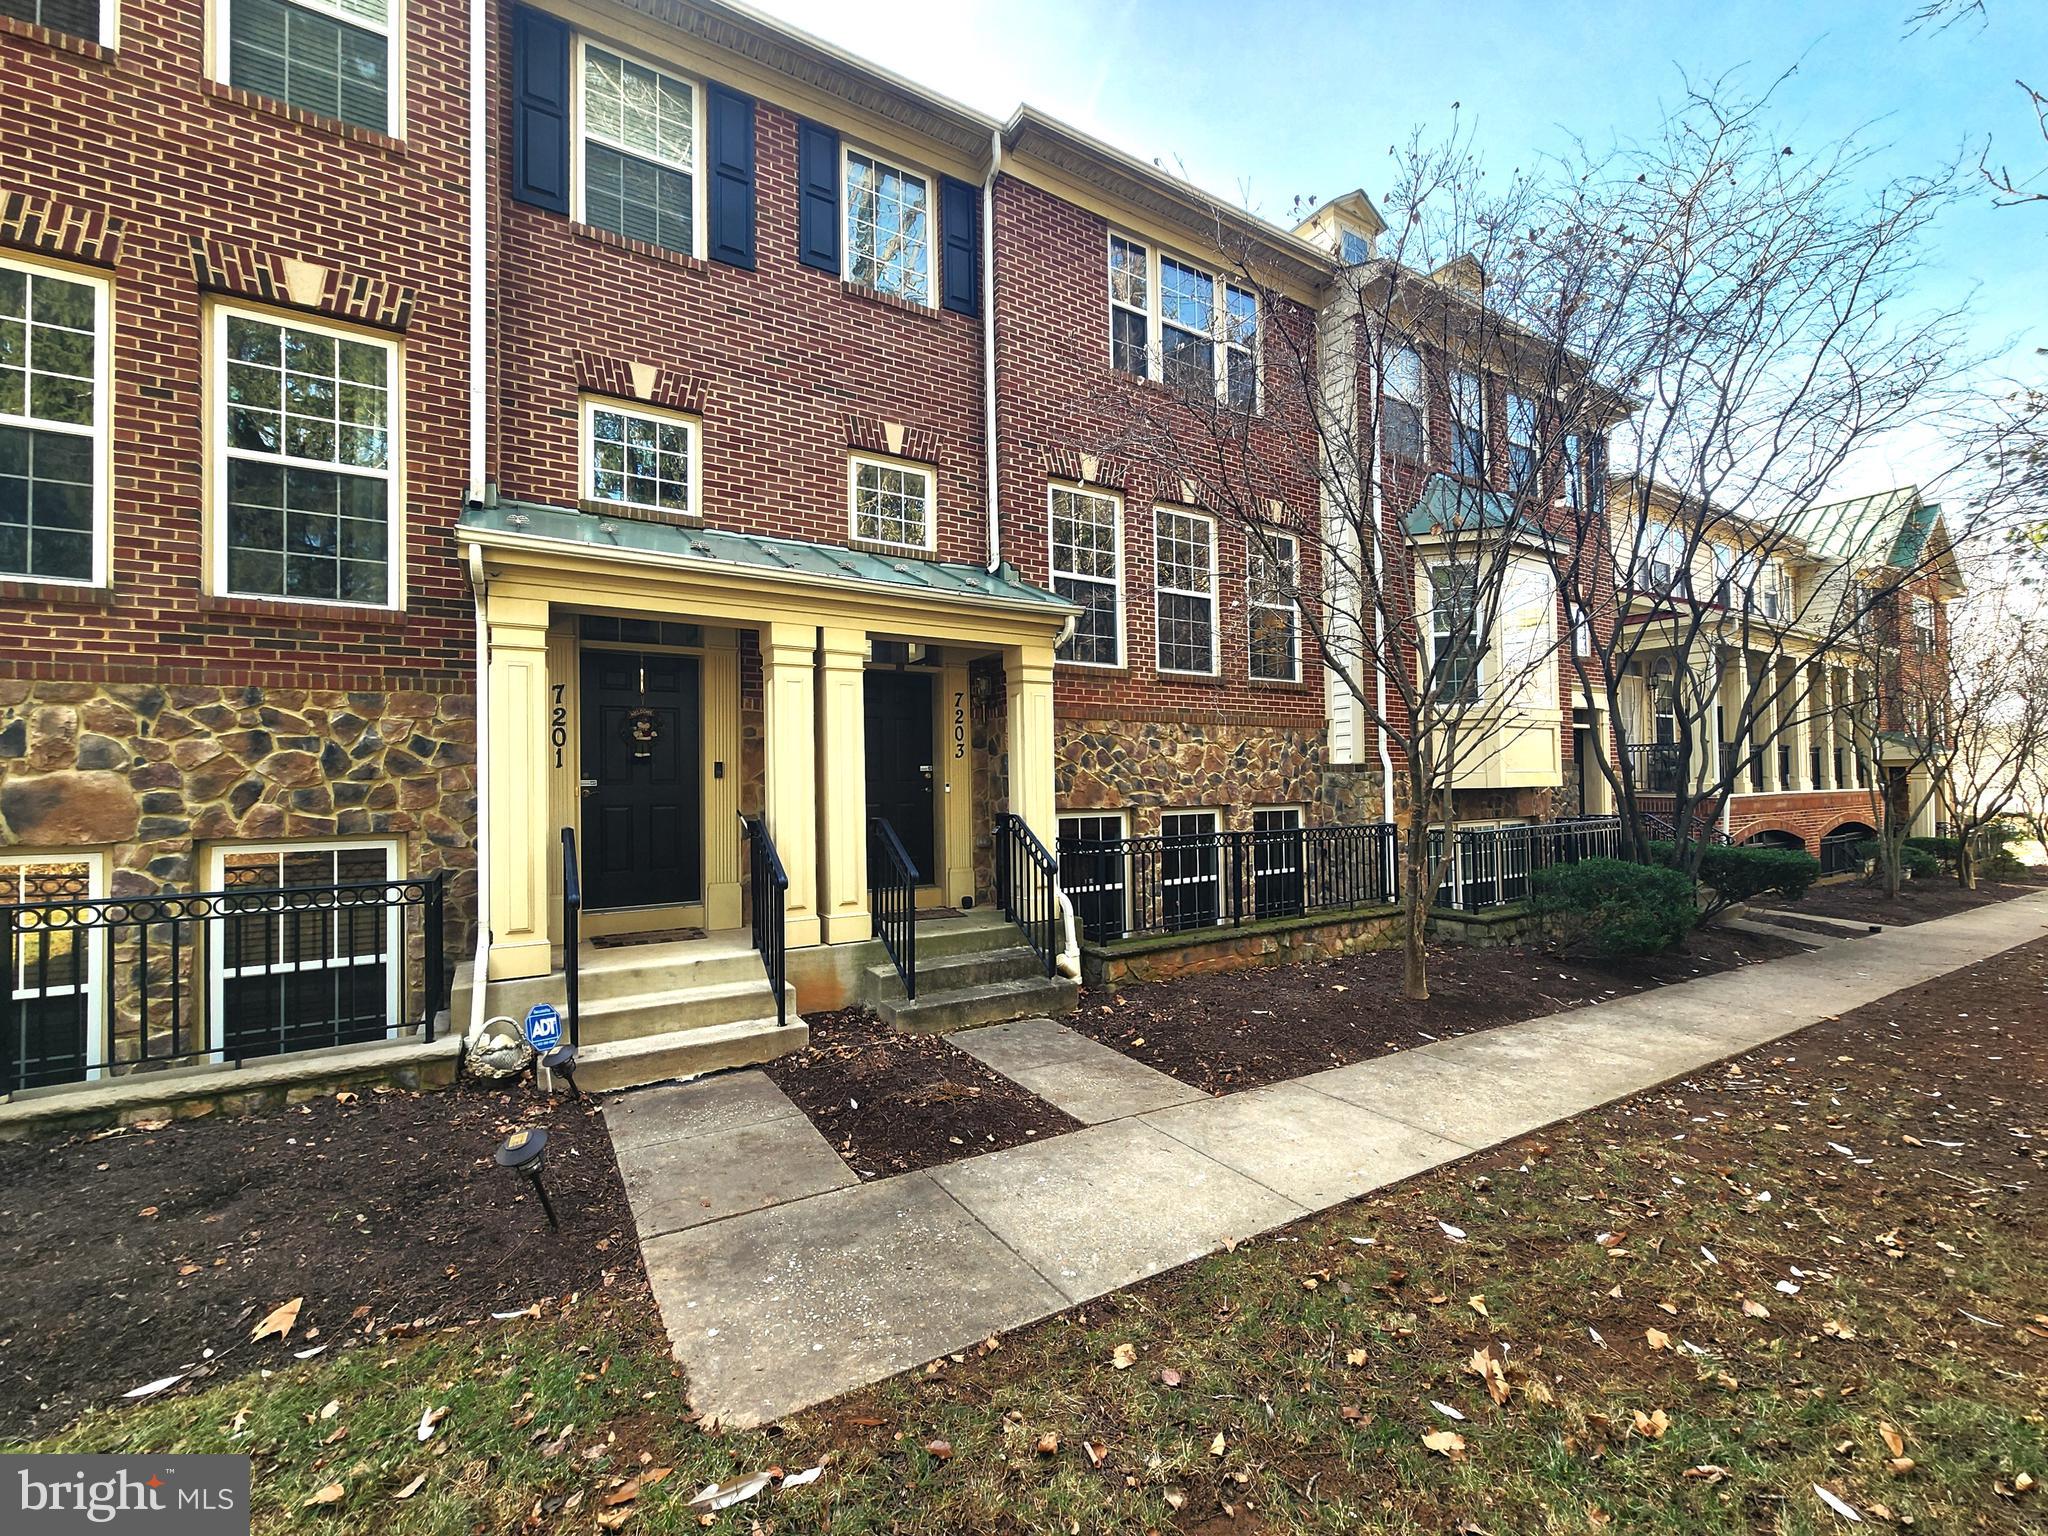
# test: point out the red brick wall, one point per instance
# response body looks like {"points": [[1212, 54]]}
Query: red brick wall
{"points": [[1809, 816], [788, 367], [137, 144], [1058, 399]]}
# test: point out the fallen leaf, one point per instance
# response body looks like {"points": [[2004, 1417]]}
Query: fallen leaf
{"points": [[332, 1407], [1836, 1329], [1175, 1498], [1447, 1410], [1754, 1308], [714, 1498], [151, 1388], [1486, 1365], [1096, 1454], [1355, 1357], [1657, 1338], [1216, 1446], [412, 1487], [428, 1419], [280, 1321], [1478, 1304], [940, 1450], [1651, 1426], [333, 1493], [1048, 1444], [1707, 1472], [1123, 1357], [1455, 1234], [1836, 1504], [1445, 1442], [1893, 1440], [1169, 1377], [612, 1519]]}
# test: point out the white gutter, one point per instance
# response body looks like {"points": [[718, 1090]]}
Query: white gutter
{"points": [[988, 343], [480, 964]]}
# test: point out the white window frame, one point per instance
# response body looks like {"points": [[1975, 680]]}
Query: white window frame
{"points": [[1920, 610], [1774, 590], [393, 956], [1116, 503], [217, 453], [1212, 596], [1459, 425], [1519, 404], [934, 240], [104, 34], [101, 435], [1220, 334], [1143, 312], [1254, 550], [1475, 690], [586, 464], [1420, 404], [579, 179], [1662, 544], [95, 862], [392, 29], [854, 464]]}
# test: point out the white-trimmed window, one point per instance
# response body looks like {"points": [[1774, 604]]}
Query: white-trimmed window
{"points": [[1087, 570], [89, 19], [296, 974], [1403, 406], [892, 502], [53, 425], [1130, 307], [1094, 873], [1456, 655], [639, 173], [1923, 622], [1206, 326], [1184, 550], [305, 467], [1660, 560], [889, 237], [634, 456], [1773, 591], [1273, 581], [1468, 423], [1521, 441], [337, 58], [50, 1031]]}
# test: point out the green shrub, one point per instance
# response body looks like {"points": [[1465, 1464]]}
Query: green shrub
{"points": [[2002, 865], [1943, 850], [1915, 862], [1743, 873], [1616, 908]]}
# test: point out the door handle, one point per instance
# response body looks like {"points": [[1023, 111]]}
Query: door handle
{"points": [[586, 785]]}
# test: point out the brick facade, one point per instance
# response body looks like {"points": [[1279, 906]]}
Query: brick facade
{"points": [[129, 163]]}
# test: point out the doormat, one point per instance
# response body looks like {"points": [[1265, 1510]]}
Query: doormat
{"points": [[659, 936]]}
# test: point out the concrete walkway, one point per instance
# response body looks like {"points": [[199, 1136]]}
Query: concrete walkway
{"points": [[839, 1284]]}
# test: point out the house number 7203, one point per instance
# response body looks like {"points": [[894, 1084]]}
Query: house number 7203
{"points": [[959, 724]]}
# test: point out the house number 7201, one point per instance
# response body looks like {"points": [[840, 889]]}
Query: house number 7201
{"points": [[560, 731]]}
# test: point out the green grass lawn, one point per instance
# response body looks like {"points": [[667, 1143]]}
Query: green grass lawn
{"points": [[1288, 1386]]}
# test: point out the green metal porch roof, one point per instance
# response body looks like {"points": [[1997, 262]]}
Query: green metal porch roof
{"points": [[1451, 506], [958, 581], [1888, 528]]}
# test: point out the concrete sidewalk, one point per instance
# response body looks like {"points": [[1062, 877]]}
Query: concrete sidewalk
{"points": [[777, 1309]]}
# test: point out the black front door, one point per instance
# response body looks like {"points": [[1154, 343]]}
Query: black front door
{"points": [[900, 760], [642, 801]]}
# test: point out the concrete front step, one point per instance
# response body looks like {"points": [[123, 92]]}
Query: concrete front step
{"points": [[952, 973], [657, 1058], [995, 1002], [970, 933], [679, 1008], [637, 969]]}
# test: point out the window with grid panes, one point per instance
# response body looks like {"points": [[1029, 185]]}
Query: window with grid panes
{"points": [[1521, 440], [888, 228], [1087, 550], [892, 504], [640, 459], [1273, 569], [1402, 430], [53, 423], [1468, 423], [1454, 630], [1187, 326], [333, 57], [1184, 548], [639, 151], [1130, 307]]}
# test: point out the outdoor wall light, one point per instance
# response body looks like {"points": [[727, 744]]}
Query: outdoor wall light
{"points": [[561, 1062], [523, 1152]]}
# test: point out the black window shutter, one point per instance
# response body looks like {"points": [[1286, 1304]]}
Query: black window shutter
{"points": [[960, 225], [817, 176], [540, 109], [730, 196]]}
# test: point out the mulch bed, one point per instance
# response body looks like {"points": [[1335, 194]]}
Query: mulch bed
{"points": [[891, 1102], [127, 1257], [1919, 900], [1232, 1030]]}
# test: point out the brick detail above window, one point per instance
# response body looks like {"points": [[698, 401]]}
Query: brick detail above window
{"points": [[894, 440], [1068, 463], [623, 379], [224, 266], [60, 229]]}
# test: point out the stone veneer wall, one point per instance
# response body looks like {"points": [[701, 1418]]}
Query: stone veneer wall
{"points": [[150, 775], [1146, 767]]}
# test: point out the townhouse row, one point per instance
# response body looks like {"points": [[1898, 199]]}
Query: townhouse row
{"points": [[430, 425]]}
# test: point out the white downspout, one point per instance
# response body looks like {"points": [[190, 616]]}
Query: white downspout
{"points": [[988, 342], [479, 252], [1379, 615], [480, 962]]}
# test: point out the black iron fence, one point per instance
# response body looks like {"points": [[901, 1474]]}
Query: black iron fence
{"points": [[892, 898], [1127, 886], [1656, 766], [1495, 866], [768, 899], [98, 985], [1028, 886]]}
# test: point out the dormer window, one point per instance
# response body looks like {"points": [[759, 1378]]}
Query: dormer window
{"points": [[1353, 249]]}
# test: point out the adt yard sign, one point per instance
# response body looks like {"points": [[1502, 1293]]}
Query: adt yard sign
{"points": [[543, 1027]]}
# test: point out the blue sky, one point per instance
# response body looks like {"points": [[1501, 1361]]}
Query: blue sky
{"points": [[1262, 101]]}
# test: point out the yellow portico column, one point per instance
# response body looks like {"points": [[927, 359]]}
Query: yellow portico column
{"points": [[842, 788], [518, 767], [1027, 677], [790, 796]]}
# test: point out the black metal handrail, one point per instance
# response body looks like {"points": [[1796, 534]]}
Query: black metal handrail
{"points": [[108, 984], [768, 898], [1028, 886], [1663, 829], [572, 941], [1658, 766], [892, 898], [1130, 886]]}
